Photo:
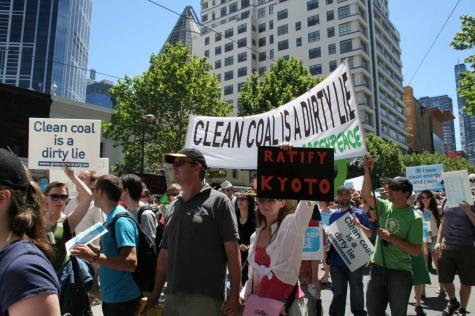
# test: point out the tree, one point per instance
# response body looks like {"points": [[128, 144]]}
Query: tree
{"points": [[427, 158], [462, 41], [286, 80], [175, 85]]}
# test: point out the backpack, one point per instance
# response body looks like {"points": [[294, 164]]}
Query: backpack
{"points": [[160, 223], [144, 274]]}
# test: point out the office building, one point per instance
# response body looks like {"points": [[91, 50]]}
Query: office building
{"points": [[186, 28], [98, 93], [467, 123], [444, 103], [321, 33], [44, 45]]}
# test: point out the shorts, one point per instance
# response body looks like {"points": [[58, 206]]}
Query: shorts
{"points": [[457, 260]]}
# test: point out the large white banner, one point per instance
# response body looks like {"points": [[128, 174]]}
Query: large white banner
{"points": [[324, 117], [350, 242], [54, 143]]}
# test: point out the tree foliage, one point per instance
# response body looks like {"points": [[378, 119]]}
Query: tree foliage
{"points": [[462, 41], [427, 158], [286, 80], [175, 85]]}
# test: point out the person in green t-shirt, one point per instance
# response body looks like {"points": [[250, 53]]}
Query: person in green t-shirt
{"points": [[399, 238]]}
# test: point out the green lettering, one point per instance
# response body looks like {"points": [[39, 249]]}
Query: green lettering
{"points": [[356, 131]]}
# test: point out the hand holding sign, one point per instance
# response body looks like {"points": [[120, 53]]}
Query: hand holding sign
{"points": [[368, 163]]}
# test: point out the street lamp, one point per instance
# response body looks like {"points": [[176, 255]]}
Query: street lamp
{"points": [[147, 118]]}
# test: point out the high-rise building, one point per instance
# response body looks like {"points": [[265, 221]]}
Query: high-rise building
{"points": [[44, 45], [244, 36], [185, 29], [98, 93], [444, 103], [467, 123]]}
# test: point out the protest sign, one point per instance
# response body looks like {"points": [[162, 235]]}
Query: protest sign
{"points": [[425, 231], [354, 183], [324, 117], [350, 242], [86, 237], [426, 177], [312, 244], [298, 173], [457, 188], [325, 219], [54, 143]]}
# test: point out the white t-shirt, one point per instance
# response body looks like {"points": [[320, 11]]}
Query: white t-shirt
{"points": [[93, 216]]}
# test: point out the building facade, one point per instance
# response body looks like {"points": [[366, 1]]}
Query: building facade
{"points": [[467, 123], [44, 45], [185, 29], [444, 103], [244, 36], [98, 93]]}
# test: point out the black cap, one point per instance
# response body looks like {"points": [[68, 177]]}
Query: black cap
{"points": [[12, 173], [405, 184], [191, 153]]}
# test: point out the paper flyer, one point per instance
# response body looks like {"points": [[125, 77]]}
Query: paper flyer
{"points": [[86, 237]]}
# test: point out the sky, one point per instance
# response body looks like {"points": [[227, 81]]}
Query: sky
{"points": [[125, 33]]}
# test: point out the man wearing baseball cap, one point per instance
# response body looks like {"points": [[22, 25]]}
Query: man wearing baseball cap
{"points": [[399, 238], [199, 241]]}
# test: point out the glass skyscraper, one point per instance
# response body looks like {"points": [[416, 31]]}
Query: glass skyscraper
{"points": [[44, 45], [467, 123]]}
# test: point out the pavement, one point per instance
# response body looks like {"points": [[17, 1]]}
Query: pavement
{"points": [[433, 304]]}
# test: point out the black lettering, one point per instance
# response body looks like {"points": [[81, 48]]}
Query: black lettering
{"points": [[296, 125], [205, 143], [329, 103], [198, 141], [267, 137], [342, 118], [315, 111], [227, 136], [260, 129], [344, 98], [320, 97], [237, 136], [348, 95], [275, 141], [250, 142], [287, 126], [217, 133], [306, 119]]}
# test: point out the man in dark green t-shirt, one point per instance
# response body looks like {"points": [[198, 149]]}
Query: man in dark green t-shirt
{"points": [[399, 238]]}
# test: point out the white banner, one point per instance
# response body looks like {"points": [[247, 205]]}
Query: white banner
{"points": [[53, 143], [426, 177], [350, 242], [312, 244], [324, 117]]}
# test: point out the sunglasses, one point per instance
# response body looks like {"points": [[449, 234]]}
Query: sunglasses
{"points": [[472, 180], [181, 162], [229, 190], [263, 201], [394, 187], [57, 197], [241, 198], [173, 194]]}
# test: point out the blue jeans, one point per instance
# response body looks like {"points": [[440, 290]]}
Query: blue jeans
{"points": [[341, 276], [394, 289]]}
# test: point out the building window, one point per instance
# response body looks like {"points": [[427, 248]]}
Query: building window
{"points": [[242, 42], [283, 45], [245, 3], [271, 39], [228, 33], [261, 12], [228, 61], [343, 12], [313, 36], [314, 53], [219, 77], [262, 41], [233, 7], [298, 42], [298, 26], [282, 14], [346, 46], [330, 32], [262, 27], [283, 29], [242, 28], [228, 90], [331, 49], [228, 47], [242, 72], [315, 70], [271, 10], [217, 37], [204, 18], [312, 4], [329, 1], [217, 64], [313, 20], [262, 70], [204, 6], [271, 54], [207, 53], [245, 15], [262, 56], [217, 50], [242, 57], [330, 15], [223, 11], [345, 28], [228, 75], [332, 65]]}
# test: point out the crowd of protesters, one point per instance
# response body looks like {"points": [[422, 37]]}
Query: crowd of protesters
{"points": [[222, 251]]}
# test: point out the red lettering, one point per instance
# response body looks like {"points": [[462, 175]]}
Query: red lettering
{"points": [[292, 154], [302, 157], [282, 183], [311, 155], [268, 156], [324, 186], [310, 182], [322, 155], [280, 157], [265, 183], [296, 185]]}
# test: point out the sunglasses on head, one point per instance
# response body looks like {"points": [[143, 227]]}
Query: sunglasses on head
{"points": [[57, 197], [263, 201]]}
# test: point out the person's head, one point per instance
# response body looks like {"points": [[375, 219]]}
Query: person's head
{"points": [[427, 201], [343, 196], [107, 191], [173, 191], [245, 200], [227, 188], [399, 190], [189, 166], [131, 187], [21, 203], [57, 196], [323, 205], [146, 196], [270, 211], [88, 177], [412, 199]]}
